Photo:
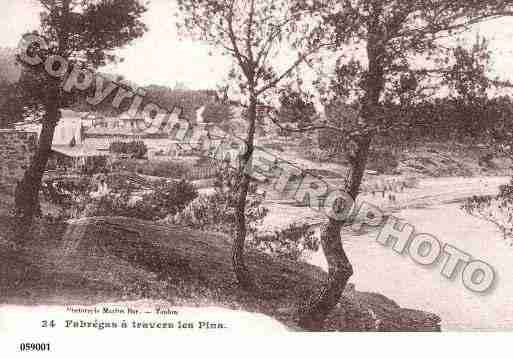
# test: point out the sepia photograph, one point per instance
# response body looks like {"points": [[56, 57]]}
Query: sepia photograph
{"points": [[254, 167]]}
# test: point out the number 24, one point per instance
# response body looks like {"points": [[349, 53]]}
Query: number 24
{"points": [[48, 324]]}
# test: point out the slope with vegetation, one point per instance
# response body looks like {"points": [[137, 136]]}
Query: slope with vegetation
{"points": [[118, 259]]}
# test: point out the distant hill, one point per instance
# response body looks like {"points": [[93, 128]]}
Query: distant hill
{"points": [[189, 100]]}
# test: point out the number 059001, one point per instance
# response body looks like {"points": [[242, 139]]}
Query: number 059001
{"points": [[35, 347]]}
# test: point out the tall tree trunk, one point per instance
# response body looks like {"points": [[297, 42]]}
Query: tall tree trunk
{"points": [[243, 275], [27, 190], [339, 267], [244, 278]]}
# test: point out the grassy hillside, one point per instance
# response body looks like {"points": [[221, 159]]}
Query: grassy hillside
{"points": [[434, 159], [116, 259], [429, 159]]}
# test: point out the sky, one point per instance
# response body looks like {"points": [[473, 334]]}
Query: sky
{"points": [[160, 58], [157, 58]]}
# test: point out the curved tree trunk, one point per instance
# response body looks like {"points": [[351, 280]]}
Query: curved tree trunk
{"points": [[339, 267], [27, 191], [339, 272]]}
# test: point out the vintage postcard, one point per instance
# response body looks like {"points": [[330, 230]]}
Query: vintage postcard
{"points": [[175, 168]]}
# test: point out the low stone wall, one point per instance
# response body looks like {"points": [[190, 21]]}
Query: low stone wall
{"points": [[16, 149]]}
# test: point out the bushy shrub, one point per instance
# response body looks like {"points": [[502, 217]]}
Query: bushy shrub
{"points": [[165, 169], [119, 182], [114, 204], [486, 160], [124, 165], [124, 200], [290, 243], [117, 147], [217, 112], [497, 210], [168, 198], [136, 149], [95, 165], [66, 192], [207, 213], [216, 212]]}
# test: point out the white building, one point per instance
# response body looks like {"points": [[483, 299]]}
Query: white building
{"points": [[69, 127]]}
